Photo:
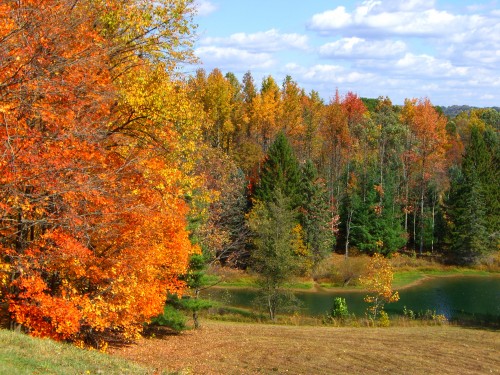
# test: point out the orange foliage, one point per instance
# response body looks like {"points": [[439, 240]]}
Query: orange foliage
{"points": [[92, 230]]}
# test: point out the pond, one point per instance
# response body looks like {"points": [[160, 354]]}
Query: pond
{"points": [[450, 296]]}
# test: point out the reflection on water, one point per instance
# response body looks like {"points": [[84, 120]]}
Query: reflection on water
{"points": [[449, 296]]}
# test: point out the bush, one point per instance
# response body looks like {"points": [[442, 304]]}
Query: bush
{"points": [[383, 319], [171, 318], [339, 309]]}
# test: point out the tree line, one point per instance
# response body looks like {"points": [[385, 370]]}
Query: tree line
{"points": [[355, 173]]}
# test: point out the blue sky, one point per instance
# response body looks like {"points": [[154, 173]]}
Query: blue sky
{"points": [[448, 51]]}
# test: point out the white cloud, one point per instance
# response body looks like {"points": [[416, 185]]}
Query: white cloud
{"points": [[228, 58], [334, 74], [331, 19], [483, 56], [266, 41], [416, 18], [204, 7], [487, 97], [360, 48], [408, 5], [421, 67]]}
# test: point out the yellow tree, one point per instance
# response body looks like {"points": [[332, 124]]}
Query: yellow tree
{"points": [[378, 281], [266, 110], [291, 119]]}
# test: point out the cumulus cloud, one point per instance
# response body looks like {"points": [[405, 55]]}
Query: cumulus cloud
{"points": [[266, 41], [233, 58], [333, 74], [204, 7], [429, 66], [414, 18], [361, 48]]}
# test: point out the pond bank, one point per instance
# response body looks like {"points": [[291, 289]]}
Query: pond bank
{"points": [[402, 281], [451, 295]]}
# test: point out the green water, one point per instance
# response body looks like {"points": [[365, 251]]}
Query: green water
{"points": [[450, 296]]}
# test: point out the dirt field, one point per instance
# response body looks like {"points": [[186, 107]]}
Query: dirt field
{"points": [[237, 348]]}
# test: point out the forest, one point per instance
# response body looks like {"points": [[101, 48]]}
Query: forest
{"points": [[116, 169]]}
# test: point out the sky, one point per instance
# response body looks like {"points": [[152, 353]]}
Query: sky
{"points": [[445, 50]]}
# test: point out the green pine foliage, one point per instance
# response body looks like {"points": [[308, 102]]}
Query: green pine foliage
{"points": [[280, 171], [315, 214], [474, 199], [376, 222]]}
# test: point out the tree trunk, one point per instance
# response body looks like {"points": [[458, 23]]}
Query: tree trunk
{"points": [[348, 231]]}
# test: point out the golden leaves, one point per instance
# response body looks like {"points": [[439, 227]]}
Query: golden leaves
{"points": [[93, 221]]}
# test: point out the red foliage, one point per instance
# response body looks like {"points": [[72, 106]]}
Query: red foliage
{"points": [[93, 232]]}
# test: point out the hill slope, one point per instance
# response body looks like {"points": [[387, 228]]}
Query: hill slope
{"points": [[22, 354]]}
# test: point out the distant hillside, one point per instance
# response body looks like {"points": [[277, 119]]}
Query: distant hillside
{"points": [[450, 111], [454, 110]]}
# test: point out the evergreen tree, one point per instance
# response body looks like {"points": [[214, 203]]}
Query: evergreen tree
{"points": [[376, 226], [280, 171], [315, 215], [473, 200]]}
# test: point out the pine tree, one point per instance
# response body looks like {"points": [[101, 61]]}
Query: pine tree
{"points": [[315, 215], [474, 225], [280, 171], [375, 227]]}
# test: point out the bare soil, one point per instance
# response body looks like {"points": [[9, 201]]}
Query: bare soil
{"points": [[241, 348]]}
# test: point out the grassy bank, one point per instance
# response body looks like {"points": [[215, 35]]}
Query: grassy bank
{"points": [[241, 348], [22, 354], [403, 279], [337, 272]]}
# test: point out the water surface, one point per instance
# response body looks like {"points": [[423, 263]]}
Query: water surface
{"points": [[450, 296]]}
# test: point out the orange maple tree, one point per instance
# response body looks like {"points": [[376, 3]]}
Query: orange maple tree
{"points": [[92, 220]]}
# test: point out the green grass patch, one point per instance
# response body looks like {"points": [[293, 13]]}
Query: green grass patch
{"points": [[403, 278], [21, 354], [240, 282], [458, 272], [299, 285], [407, 277]]}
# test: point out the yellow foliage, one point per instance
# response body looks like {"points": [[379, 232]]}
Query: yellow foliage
{"points": [[378, 281]]}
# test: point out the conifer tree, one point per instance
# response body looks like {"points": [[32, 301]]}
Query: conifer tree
{"points": [[315, 214], [280, 171], [474, 223]]}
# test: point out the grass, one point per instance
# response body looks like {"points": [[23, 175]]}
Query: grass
{"points": [[21, 354], [243, 348], [406, 278], [333, 272]]}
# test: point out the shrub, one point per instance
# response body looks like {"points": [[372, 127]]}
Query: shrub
{"points": [[339, 309], [171, 318], [383, 319]]}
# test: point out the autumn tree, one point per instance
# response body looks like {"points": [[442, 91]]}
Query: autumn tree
{"points": [[312, 114], [378, 281], [424, 154], [291, 119], [93, 229], [266, 110]]}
